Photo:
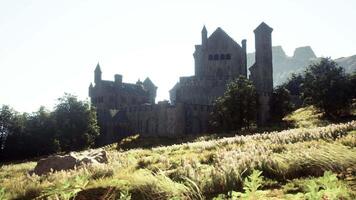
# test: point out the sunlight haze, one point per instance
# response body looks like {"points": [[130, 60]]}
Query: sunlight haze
{"points": [[51, 47]]}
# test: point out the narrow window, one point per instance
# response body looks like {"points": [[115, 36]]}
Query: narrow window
{"points": [[216, 57], [222, 57], [228, 56], [210, 57]]}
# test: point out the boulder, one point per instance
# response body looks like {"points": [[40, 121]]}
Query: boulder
{"points": [[70, 161]]}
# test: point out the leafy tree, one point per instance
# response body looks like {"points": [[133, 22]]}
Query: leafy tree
{"points": [[294, 84], [237, 107], [327, 87], [40, 126], [76, 123], [13, 139], [352, 80], [280, 103]]}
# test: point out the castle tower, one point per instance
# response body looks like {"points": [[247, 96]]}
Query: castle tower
{"points": [[204, 36], [97, 74], [199, 53], [151, 88], [262, 71], [244, 58]]}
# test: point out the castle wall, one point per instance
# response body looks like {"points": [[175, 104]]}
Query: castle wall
{"points": [[166, 120]]}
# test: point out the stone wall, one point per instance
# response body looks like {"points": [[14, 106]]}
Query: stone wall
{"points": [[164, 119]]}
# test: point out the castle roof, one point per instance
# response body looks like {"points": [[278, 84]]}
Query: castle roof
{"points": [[204, 29], [97, 68], [263, 27], [148, 82], [220, 33]]}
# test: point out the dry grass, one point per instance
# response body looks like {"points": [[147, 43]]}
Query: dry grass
{"points": [[195, 170]]}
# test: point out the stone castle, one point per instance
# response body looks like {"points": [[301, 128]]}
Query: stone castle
{"points": [[125, 108]]}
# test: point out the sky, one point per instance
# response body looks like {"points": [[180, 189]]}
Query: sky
{"points": [[51, 47]]}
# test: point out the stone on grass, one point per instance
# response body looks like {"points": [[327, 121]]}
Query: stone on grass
{"points": [[70, 161]]}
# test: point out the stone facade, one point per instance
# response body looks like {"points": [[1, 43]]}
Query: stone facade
{"points": [[125, 108], [218, 60], [262, 70]]}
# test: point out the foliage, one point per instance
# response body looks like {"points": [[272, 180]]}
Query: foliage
{"points": [[71, 126], [76, 123], [327, 87], [201, 169], [2, 193], [251, 184], [326, 187], [280, 103], [237, 107], [294, 83], [352, 79], [67, 189]]}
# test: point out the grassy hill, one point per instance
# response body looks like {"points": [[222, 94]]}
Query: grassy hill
{"points": [[313, 162]]}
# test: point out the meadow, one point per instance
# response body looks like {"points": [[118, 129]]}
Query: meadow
{"points": [[315, 160]]}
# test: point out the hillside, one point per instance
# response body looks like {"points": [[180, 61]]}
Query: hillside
{"points": [[290, 162], [284, 66]]}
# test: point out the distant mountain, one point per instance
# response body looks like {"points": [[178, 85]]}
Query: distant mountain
{"points": [[284, 66], [349, 63]]}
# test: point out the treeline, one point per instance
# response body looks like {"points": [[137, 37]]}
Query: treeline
{"points": [[323, 84], [72, 125]]}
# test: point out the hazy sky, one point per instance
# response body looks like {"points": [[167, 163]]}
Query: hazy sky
{"points": [[48, 47]]}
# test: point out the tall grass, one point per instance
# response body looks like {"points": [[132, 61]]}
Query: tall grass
{"points": [[194, 170]]}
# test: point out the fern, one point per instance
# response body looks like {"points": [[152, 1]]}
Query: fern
{"points": [[251, 186], [326, 187], [125, 195], [68, 189], [2, 193]]}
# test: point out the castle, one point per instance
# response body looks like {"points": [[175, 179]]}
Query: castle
{"points": [[125, 108]]}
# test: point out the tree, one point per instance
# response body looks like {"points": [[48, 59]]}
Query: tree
{"points": [[280, 103], [294, 83], [352, 80], [13, 140], [40, 127], [237, 107], [76, 123], [327, 87]]}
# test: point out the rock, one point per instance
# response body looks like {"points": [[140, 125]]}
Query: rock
{"points": [[70, 161]]}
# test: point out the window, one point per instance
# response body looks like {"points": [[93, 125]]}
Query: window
{"points": [[222, 57], [211, 57], [228, 56], [216, 57]]}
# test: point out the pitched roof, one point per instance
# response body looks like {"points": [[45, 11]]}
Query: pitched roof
{"points": [[148, 82], [97, 69], [220, 33], [263, 27]]}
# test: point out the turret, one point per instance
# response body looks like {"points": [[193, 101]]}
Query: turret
{"points": [[263, 57], [244, 58], [262, 71], [97, 74], [118, 78], [204, 36], [151, 88], [90, 89]]}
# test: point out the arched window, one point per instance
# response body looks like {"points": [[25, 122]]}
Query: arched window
{"points": [[222, 57], [228, 56], [216, 57], [211, 57]]}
